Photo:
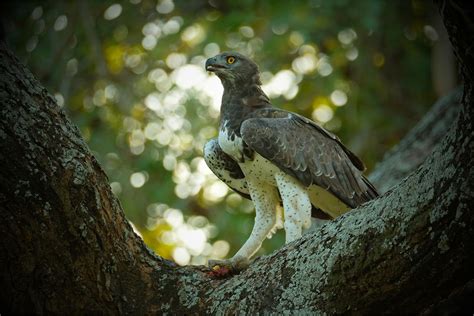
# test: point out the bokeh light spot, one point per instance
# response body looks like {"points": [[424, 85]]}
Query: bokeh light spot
{"points": [[37, 13], [324, 67], [60, 23], [193, 34], [174, 217], [149, 42], [338, 97], [211, 49], [304, 64], [59, 99], [323, 113], [165, 6], [137, 179], [220, 249], [116, 188], [113, 12], [216, 191], [175, 60], [247, 31], [352, 54], [347, 36], [181, 256], [283, 83]]}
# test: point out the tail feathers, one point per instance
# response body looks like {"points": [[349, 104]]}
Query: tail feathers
{"points": [[371, 192], [368, 194]]}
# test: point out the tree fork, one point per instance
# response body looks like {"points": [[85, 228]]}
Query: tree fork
{"points": [[66, 244]]}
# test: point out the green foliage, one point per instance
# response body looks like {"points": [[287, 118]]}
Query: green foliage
{"points": [[130, 75]]}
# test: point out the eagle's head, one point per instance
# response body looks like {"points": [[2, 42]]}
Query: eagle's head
{"points": [[234, 69]]}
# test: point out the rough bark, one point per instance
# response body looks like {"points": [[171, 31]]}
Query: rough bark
{"points": [[66, 245]]}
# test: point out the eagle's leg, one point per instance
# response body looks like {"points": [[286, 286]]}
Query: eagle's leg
{"points": [[266, 200], [296, 205]]}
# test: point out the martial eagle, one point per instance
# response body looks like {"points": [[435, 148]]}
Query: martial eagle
{"points": [[275, 157]]}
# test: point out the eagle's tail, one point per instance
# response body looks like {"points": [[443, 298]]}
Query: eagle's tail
{"points": [[371, 192]]}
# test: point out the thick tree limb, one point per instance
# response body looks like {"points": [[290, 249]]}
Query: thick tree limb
{"points": [[67, 245], [65, 241]]}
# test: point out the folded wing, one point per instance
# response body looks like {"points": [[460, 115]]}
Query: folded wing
{"points": [[308, 152], [225, 168]]}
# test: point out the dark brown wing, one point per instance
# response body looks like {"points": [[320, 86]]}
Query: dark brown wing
{"points": [[353, 157], [308, 152]]}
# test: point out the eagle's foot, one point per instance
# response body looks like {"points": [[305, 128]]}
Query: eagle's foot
{"points": [[222, 268]]}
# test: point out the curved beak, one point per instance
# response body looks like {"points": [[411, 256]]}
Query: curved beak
{"points": [[212, 64]]}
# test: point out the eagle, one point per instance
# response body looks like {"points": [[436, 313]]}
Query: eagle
{"points": [[278, 158]]}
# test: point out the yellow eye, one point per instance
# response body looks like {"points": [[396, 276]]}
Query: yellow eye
{"points": [[230, 60]]}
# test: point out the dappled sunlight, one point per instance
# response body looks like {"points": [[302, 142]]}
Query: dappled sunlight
{"points": [[338, 98], [215, 191], [186, 241], [188, 76], [347, 36], [284, 82], [193, 35], [323, 66], [138, 179], [323, 113], [304, 64]]}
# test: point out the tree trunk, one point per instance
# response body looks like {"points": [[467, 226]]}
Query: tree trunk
{"points": [[66, 245]]}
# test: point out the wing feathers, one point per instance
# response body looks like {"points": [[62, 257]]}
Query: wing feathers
{"points": [[350, 176], [305, 150], [225, 168], [341, 176]]}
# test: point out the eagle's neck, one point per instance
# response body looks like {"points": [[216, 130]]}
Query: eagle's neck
{"points": [[238, 104]]}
